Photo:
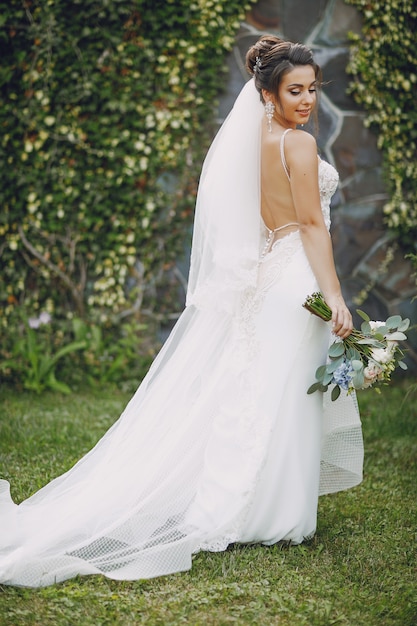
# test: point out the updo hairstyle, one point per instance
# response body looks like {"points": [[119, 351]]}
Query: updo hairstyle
{"points": [[270, 58]]}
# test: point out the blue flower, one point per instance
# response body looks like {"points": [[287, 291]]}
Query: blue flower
{"points": [[343, 375]]}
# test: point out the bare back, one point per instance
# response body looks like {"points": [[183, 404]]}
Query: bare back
{"points": [[277, 206]]}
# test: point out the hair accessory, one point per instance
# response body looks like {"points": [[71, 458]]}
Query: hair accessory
{"points": [[258, 65], [269, 111]]}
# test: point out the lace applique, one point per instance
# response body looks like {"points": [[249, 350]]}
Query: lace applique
{"points": [[273, 264], [252, 429], [251, 436], [328, 181]]}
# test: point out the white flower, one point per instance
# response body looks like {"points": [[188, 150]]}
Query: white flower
{"points": [[130, 162], [375, 325], [371, 371], [381, 355], [43, 319]]}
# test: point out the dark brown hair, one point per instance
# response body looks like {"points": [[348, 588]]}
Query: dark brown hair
{"points": [[270, 58]]}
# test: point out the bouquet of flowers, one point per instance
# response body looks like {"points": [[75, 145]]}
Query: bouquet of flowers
{"points": [[367, 357]]}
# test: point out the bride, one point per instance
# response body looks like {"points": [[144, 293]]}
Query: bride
{"points": [[221, 442]]}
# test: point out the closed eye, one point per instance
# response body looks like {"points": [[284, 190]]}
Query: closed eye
{"points": [[297, 93]]}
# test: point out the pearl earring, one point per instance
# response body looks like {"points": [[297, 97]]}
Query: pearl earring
{"points": [[269, 112]]}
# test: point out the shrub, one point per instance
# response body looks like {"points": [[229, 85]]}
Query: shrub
{"points": [[384, 65], [107, 108]]}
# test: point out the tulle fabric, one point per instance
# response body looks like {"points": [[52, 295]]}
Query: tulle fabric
{"points": [[225, 250], [220, 443]]}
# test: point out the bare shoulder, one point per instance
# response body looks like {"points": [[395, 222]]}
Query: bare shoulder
{"points": [[300, 141]]}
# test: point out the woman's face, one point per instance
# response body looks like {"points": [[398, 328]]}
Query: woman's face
{"points": [[296, 96]]}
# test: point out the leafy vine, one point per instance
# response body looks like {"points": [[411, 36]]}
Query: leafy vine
{"points": [[106, 111], [384, 67]]}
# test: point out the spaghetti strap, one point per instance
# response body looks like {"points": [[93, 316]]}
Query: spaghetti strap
{"points": [[276, 230], [283, 159]]}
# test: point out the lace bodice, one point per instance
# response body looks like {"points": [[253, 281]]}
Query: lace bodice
{"points": [[328, 181]]}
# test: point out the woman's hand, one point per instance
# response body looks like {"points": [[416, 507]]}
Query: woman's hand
{"points": [[342, 324]]}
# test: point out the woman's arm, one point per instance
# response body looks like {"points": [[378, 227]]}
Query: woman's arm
{"points": [[301, 155]]}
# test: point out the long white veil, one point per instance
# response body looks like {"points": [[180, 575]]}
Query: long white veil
{"points": [[225, 246]]}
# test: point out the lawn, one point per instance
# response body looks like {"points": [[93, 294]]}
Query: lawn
{"points": [[360, 569]]}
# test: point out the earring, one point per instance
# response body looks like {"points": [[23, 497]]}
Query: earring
{"points": [[269, 112]]}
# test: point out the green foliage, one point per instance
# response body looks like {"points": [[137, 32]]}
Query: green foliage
{"points": [[384, 65], [34, 357], [109, 360], [41, 352], [106, 110], [359, 570]]}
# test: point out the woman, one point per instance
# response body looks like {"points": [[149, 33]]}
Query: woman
{"points": [[221, 442]]}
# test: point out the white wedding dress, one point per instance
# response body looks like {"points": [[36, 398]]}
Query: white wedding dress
{"points": [[220, 444]]}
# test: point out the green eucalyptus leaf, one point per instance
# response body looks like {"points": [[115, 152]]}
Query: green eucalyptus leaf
{"points": [[366, 328], [381, 332], [327, 378], [394, 321], [335, 363], [336, 349], [335, 393], [403, 365], [352, 354], [358, 380], [314, 387], [363, 315], [404, 325], [371, 342], [320, 372], [396, 336], [317, 386]]}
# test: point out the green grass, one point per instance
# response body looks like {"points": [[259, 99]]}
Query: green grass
{"points": [[360, 569]]}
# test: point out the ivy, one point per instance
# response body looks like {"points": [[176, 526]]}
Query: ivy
{"points": [[106, 110], [384, 66]]}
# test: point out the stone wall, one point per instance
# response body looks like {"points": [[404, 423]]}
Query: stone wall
{"points": [[360, 239]]}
